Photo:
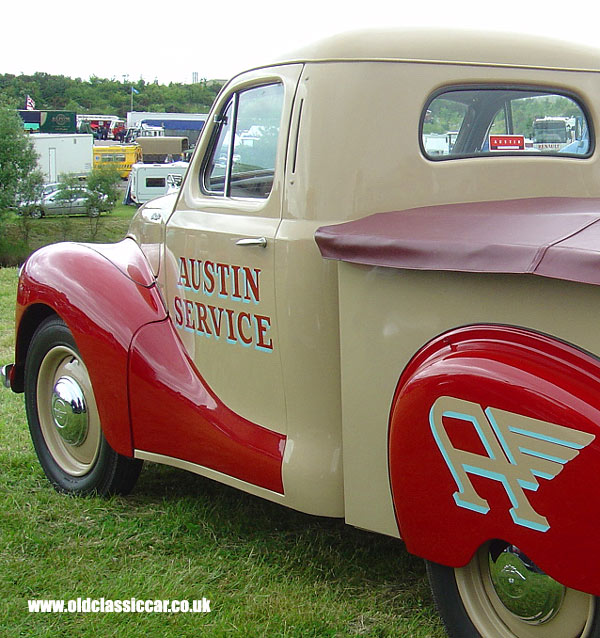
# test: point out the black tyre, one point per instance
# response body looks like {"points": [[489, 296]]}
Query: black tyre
{"points": [[502, 594], [36, 213], [63, 418]]}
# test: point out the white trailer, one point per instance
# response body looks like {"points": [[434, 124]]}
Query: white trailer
{"points": [[147, 181], [63, 154], [135, 118]]}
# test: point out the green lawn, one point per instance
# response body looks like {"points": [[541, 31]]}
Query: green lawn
{"points": [[267, 571], [22, 235]]}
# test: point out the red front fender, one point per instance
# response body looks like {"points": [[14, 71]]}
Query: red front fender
{"points": [[104, 293], [495, 434]]}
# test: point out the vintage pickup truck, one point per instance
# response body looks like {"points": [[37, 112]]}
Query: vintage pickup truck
{"points": [[376, 296]]}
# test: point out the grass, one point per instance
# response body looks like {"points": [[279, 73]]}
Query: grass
{"points": [[267, 570], [23, 235]]}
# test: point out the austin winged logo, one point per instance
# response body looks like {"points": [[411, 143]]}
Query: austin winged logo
{"points": [[519, 450]]}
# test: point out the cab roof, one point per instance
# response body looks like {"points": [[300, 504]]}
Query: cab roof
{"points": [[445, 46]]}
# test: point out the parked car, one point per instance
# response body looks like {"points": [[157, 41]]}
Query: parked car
{"points": [[346, 321], [60, 201]]}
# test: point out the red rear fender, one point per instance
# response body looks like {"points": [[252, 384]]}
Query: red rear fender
{"points": [[495, 434]]}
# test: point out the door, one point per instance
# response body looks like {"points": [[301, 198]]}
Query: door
{"points": [[52, 174], [220, 246]]}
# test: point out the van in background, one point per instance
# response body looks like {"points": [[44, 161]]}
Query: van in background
{"points": [[121, 156], [147, 181]]}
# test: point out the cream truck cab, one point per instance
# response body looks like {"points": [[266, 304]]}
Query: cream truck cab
{"points": [[340, 316]]}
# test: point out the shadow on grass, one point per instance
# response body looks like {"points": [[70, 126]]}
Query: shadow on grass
{"points": [[339, 553]]}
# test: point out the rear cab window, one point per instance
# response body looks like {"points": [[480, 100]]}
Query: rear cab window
{"points": [[499, 120]]}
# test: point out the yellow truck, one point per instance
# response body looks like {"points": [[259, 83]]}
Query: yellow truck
{"points": [[121, 156]]}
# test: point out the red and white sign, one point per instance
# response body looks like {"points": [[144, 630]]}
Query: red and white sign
{"points": [[507, 142]]}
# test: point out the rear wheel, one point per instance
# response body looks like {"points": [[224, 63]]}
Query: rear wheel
{"points": [[502, 594], [63, 418]]}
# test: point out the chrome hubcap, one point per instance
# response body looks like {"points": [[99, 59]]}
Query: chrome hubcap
{"points": [[524, 589], [506, 596], [69, 411]]}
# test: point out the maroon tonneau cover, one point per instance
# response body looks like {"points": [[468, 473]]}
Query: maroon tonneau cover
{"points": [[553, 237]]}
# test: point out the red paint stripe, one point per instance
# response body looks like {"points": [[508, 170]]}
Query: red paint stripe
{"points": [[175, 413]]}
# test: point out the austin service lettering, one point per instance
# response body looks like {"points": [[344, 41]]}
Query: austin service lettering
{"points": [[222, 281]]}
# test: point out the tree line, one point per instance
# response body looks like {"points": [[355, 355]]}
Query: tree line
{"points": [[104, 96]]}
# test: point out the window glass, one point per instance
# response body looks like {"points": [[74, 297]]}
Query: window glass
{"points": [[215, 172], [255, 146], [476, 121], [245, 165], [155, 182]]}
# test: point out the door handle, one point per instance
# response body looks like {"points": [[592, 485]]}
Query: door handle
{"points": [[252, 241]]}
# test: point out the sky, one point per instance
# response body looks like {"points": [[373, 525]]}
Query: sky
{"points": [[169, 41]]}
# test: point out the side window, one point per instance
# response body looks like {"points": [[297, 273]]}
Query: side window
{"points": [[214, 179], [466, 122], [155, 182], [242, 159]]}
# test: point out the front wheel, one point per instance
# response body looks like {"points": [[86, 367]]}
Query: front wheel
{"points": [[502, 594], [64, 421]]}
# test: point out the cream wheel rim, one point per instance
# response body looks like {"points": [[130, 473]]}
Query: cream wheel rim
{"points": [[67, 411], [570, 614]]}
